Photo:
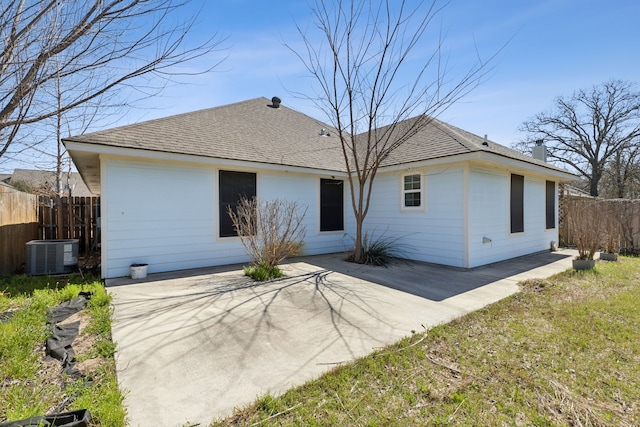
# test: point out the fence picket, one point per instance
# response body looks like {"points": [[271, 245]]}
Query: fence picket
{"points": [[18, 225], [618, 217]]}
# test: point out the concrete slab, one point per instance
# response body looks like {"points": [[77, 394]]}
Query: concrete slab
{"points": [[193, 345]]}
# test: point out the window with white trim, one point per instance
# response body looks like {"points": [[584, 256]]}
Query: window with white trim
{"points": [[412, 191]]}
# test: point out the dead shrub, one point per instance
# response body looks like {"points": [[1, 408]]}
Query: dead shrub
{"points": [[585, 225], [270, 231]]}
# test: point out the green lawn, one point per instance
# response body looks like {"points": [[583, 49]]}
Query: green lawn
{"points": [[564, 351], [30, 385]]}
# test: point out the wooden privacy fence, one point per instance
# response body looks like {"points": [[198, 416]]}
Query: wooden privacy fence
{"points": [[18, 225], [70, 218], [617, 219]]}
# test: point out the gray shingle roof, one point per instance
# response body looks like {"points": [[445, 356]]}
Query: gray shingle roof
{"points": [[439, 139], [255, 131], [46, 180], [249, 131]]}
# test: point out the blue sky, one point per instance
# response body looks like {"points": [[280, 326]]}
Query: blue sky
{"points": [[550, 48]]}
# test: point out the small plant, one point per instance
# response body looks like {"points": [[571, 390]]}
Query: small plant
{"points": [[377, 251], [263, 271]]}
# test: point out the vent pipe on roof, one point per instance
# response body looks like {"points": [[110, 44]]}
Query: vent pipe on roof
{"points": [[539, 151], [486, 141], [275, 102]]}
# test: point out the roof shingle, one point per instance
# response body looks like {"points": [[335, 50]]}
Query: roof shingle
{"points": [[255, 131], [249, 131]]}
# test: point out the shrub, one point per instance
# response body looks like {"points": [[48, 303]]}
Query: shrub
{"points": [[270, 231], [585, 225], [263, 271]]}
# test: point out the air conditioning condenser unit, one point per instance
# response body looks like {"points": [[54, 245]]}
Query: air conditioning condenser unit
{"points": [[51, 256]]}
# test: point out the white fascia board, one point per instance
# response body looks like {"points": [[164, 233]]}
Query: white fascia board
{"points": [[105, 151], [488, 159]]}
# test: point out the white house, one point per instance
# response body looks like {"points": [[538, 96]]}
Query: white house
{"points": [[446, 195]]}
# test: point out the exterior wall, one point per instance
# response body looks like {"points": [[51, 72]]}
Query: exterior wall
{"points": [[167, 216], [433, 234], [305, 189], [489, 218]]}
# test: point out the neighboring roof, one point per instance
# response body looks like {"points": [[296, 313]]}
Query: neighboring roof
{"points": [[46, 181], [573, 191], [5, 177], [251, 131], [256, 131]]}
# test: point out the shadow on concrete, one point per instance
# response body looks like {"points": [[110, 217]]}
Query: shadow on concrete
{"points": [[434, 281], [175, 274], [218, 334]]}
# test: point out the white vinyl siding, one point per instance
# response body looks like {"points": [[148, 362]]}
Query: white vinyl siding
{"points": [[167, 216], [434, 234], [490, 237], [305, 190]]}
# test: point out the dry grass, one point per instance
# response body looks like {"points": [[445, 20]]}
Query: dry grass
{"points": [[563, 351]]}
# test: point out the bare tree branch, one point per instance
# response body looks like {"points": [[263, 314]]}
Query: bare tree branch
{"points": [[361, 66], [590, 129], [270, 231], [92, 46]]}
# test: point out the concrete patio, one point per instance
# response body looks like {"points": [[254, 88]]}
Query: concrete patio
{"points": [[192, 345]]}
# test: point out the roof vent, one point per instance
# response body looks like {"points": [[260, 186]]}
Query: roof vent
{"points": [[323, 132], [275, 102], [486, 141]]}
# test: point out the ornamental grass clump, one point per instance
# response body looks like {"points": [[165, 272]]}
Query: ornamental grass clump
{"points": [[378, 251]]}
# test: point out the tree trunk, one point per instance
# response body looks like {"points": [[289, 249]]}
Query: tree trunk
{"points": [[596, 174], [358, 250]]}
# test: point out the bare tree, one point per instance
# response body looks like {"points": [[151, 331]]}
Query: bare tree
{"points": [[589, 129], [66, 123], [367, 88], [621, 177], [93, 46], [270, 231]]}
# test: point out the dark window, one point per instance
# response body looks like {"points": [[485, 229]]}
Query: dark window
{"points": [[232, 187], [331, 205], [550, 205], [517, 203]]}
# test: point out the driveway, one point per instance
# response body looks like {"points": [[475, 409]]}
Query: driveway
{"points": [[192, 345]]}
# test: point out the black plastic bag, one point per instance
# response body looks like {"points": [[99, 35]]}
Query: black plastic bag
{"points": [[79, 418]]}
